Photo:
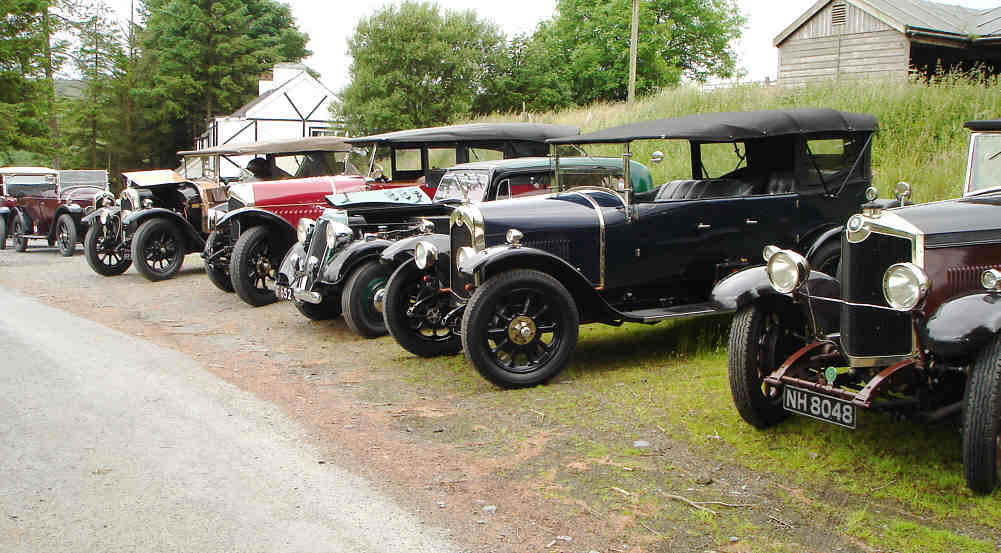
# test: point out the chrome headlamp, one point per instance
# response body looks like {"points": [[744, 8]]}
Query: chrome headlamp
{"points": [[787, 270], [338, 235], [425, 226], [425, 254], [104, 199], [464, 254], [905, 285], [991, 279], [304, 229]]}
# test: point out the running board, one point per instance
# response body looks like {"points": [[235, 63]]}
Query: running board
{"points": [[658, 314]]}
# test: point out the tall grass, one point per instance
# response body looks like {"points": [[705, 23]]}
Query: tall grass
{"points": [[921, 138]]}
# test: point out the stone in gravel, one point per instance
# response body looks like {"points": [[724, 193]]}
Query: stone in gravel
{"points": [[348, 426], [481, 521], [641, 443], [813, 455], [490, 509], [734, 539], [441, 504], [703, 480], [564, 538]]}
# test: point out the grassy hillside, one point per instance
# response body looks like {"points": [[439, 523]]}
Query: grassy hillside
{"points": [[921, 138]]}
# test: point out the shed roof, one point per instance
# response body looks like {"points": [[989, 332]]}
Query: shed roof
{"points": [[914, 15]]}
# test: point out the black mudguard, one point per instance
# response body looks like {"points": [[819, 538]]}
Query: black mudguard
{"points": [[345, 261], [402, 251], [962, 326], [821, 294], [252, 216], [196, 242]]}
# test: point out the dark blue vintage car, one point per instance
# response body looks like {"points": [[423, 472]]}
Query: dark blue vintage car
{"points": [[528, 272], [911, 324]]}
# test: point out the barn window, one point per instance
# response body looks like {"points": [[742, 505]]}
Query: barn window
{"points": [[838, 13]]}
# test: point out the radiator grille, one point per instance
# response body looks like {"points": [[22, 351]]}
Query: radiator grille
{"points": [[317, 248]]}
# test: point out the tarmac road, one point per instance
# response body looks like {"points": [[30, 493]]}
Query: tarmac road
{"points": [[112, 443]]}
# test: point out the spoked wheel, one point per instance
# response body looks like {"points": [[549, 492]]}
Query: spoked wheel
{"points": [[254, 264], [66, 235], [19, 230], [158, 249], [414, 312], [105, 252], [363, 298], [520, 328], [762, 336], [982, 421], [216, 263]]}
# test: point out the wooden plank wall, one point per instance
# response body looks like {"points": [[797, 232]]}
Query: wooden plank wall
{"points": [[862, 47]]}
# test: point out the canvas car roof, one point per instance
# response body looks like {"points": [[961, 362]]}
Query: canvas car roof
{"points": [[529, 163], [472, 132], [986, 125], [154, 177], [28, 171], [731, 126], [296, 145]]}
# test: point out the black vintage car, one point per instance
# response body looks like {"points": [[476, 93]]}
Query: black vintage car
{"points": [[530, 271], [160, 216], [910, 324]]}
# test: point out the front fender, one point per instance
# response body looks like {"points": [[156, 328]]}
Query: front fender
{"points": [[94, 215], [742, 289], [252, 216], [345, 261], [962, 326], [833, 233], [196, 242], [402, 251], [821, 295]]}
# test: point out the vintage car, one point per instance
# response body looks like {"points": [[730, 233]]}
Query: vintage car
{"points": [[353, 275], [530, 271], [260, 227], [910, 324], [37, 204], [159, 217]]}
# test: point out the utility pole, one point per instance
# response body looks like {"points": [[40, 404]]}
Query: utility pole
{"points": [[632, 51]]}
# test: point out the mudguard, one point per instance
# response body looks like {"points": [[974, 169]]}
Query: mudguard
{"points": [[196, 242], [71, 208], [402, 251], [344, 262], [962, 326], [75, 212], [90, 218], [750, 285], [251, 216], [833, 233], [742, 289]]}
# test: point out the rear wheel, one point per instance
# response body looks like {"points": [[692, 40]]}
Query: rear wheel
{"points": [[104, 254], [414, 312], [3, 232], [19, 230], [362, 299], [217, 268], [158, 249], [253, 266], [982, 421], [66, 235]]}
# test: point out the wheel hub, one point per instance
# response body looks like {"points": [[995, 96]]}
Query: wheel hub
{"points": [[379, 299], [522, 330]]}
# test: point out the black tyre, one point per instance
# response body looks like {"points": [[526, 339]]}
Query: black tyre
{"points": [[520, 328], [362, 299], [66, 235], [762, 336], [982, 421], [827, 258], [104, 254], [217, 270], [158, 249], [256, 257], [330, 308], [3, 232], [422, 331], [18, 232]]}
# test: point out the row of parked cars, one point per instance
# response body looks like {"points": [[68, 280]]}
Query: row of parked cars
{"points": [[500, 240]]}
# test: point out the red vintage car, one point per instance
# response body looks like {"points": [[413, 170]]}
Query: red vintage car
{"points": [[37, 205], [261, 221]]}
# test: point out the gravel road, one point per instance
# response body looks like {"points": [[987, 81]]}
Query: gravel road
{"points": [[109, 442]]}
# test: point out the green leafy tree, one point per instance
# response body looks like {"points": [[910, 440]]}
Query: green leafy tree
{"points": [[416, 65], [203, 58], [25, 95]]}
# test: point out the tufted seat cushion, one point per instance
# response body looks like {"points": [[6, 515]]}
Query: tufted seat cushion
{"points": [[703, 188]]}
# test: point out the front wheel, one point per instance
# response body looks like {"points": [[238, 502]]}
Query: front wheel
{"points": [[982, 421], [362, 299], [104, 254], [3, 233], [216, 265], [762, 336], [158, 249], [19, 230], [253, 266], [66, 235], [414, 312], [520, 328]]}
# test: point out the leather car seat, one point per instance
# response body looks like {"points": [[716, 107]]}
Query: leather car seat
{"points": [[780, 182]]}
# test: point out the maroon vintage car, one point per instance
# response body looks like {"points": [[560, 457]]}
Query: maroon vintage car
{"points": [[259, 227], [37, 205]]}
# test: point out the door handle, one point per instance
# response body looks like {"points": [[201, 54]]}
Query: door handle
{"points": [[702, 226], [751, 221]]}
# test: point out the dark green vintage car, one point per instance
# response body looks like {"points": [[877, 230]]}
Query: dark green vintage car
{"points": [[529, 272]]}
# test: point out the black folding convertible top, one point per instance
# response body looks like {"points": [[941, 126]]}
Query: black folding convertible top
{"points": [[731, 126], [473, 132], [988, 125]]}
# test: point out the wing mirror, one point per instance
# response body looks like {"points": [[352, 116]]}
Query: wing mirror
{"points": [[657, 157]]}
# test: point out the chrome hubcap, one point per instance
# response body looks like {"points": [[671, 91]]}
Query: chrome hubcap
{"points": [[379, 298], [521, 330]]}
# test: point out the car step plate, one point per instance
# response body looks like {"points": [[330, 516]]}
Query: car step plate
{"points": [[820, 407]]}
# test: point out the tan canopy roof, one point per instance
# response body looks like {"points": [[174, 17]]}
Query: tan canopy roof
{"points": [[306, 144], [153, 178]]}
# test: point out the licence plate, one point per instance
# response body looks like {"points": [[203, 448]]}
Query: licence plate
{"points": [[283, 293], [820, 407]]}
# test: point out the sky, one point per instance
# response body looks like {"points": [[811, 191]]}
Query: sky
{"points": [[329, 23]]}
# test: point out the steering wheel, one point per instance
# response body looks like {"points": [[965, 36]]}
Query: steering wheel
{"points": [[378, 174]]}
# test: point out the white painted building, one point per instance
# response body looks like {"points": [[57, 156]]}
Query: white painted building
{"points": [[292, 104]]}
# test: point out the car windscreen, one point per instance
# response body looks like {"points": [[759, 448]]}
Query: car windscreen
{"points": [[453, 183], [19, 185], [985, 163], [200, 167], [318, 164]]}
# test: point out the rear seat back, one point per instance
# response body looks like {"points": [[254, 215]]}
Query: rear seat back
{"points": [[703, 188]]}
